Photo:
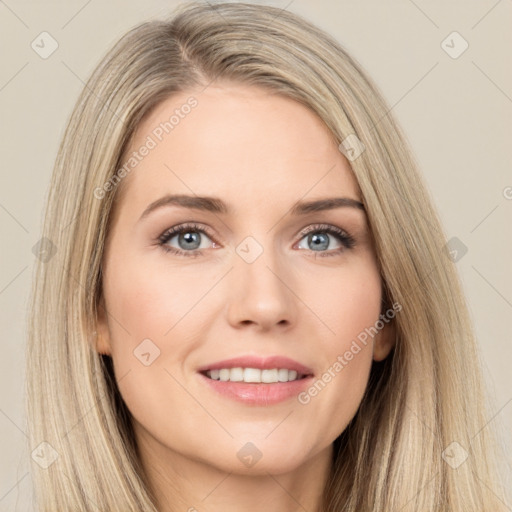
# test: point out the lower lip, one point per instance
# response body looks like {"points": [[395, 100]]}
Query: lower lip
{"points": [[258, 394]]}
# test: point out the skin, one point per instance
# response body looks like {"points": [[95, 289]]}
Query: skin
{"points": [[259, 153]]}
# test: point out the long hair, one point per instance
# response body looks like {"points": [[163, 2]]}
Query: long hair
{"points": [[420, 440]]}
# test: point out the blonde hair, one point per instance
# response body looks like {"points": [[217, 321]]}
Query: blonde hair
{"points": [[425, 396]]}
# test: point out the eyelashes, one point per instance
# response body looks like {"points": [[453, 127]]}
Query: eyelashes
{"points": [[197, 230]]}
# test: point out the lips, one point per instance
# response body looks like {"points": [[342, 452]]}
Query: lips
{"points": [[256, 393]]}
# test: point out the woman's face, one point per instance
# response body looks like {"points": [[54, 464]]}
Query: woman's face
{"points": [[253, 275]]}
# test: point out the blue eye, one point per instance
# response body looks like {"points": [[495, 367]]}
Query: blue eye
{"points": [[318, 236], [189, 237]]}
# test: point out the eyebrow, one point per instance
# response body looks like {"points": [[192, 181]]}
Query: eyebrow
{"points": [[216, 205]]}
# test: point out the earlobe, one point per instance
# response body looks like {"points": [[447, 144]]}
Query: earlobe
{"points": [[101, 337], [102, 346], [384, 342]]}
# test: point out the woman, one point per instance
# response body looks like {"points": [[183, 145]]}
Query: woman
{"points": [[250, 303]]}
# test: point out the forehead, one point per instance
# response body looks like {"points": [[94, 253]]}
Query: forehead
{"points": [[240, 143]]}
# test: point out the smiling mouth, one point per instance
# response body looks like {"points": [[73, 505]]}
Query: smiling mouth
{"points": [[254, 375]]}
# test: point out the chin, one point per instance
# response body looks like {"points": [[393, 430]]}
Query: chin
{"points": [[259, 458]]}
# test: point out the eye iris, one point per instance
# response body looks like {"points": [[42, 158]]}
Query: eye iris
{"points": [[320, 241], [190, 237]]}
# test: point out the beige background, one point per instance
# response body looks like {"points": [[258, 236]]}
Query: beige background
{"points": [[456, 113]]}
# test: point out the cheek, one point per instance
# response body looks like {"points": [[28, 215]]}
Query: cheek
{"points": [[155, 322], [350, 309], [346, 302], [147, 301]]}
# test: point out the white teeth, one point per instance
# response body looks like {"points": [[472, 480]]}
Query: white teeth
{"points": [[269, 376], [282, 375], [253, 375], [236, 374], [224, 374]]}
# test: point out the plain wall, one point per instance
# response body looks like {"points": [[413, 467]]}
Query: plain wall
{"points": [[456, 113]]}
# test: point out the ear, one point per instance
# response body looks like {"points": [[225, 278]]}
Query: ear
{"points": [[102, 341], [384, 341]]}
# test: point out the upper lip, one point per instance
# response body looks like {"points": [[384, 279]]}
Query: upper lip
{"points": [[261, 362]]}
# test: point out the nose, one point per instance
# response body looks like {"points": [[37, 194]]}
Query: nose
{"points": [[260, 293]]}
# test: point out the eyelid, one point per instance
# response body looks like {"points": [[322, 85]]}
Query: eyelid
{"points": [[322, 226], [192, 226]]}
